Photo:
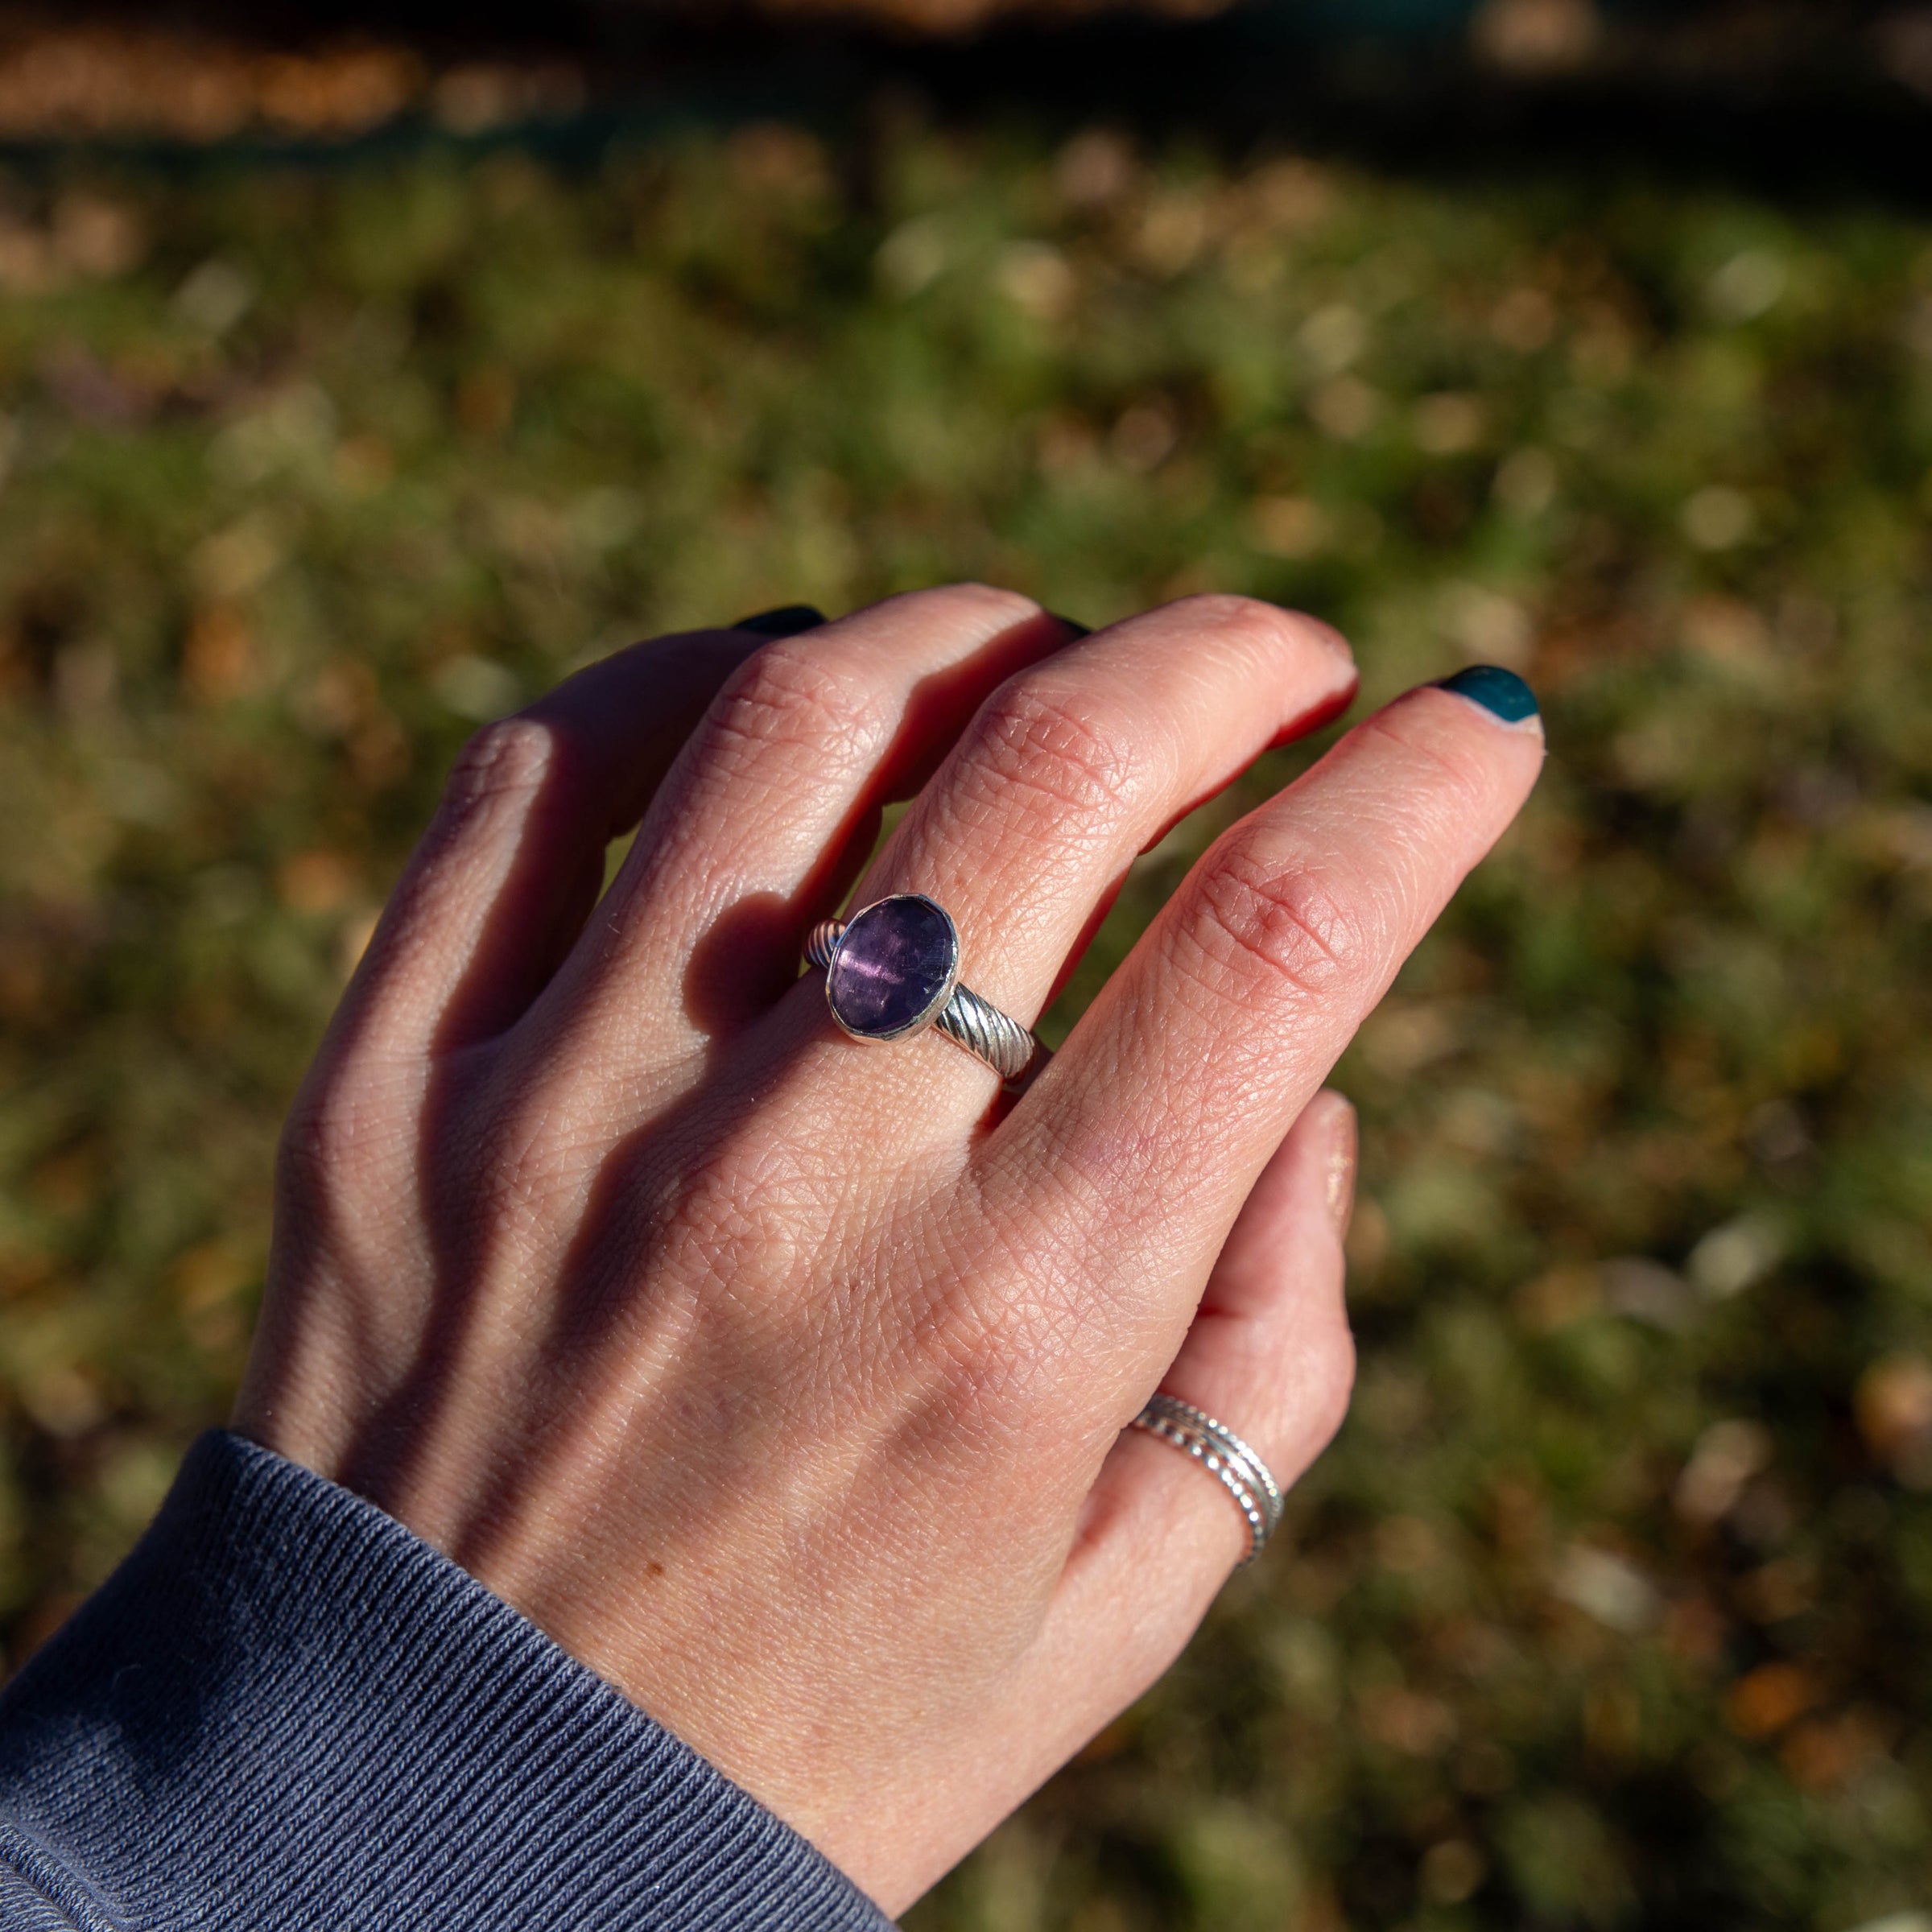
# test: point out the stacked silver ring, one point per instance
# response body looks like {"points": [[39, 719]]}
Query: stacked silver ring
{"points": [[1224, 1456]]}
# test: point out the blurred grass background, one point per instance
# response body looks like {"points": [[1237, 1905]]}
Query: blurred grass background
{"points": [[1612, 1605]]}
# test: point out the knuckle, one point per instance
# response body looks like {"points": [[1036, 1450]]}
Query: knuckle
{"points": [[335, 1148], [1249, 621], [1283, 920], [1073, 753], [790, 693], [509, 758], [987, 605]]}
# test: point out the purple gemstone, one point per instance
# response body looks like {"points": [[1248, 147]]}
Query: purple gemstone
{"points": [[893, 966]]}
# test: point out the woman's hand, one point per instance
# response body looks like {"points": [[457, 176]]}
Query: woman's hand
{"points": [[780, 1376]]}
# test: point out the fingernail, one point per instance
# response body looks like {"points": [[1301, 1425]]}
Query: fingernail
{"points": [[1343, 1142], [787, 621], [1499, 692], [1073, 624]]}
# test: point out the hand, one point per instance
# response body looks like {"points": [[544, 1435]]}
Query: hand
{"points": [[780, 1376]]}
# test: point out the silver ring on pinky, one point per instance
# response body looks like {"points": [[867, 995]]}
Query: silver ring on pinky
{"points": [[893, 970], [1225, 1457]]}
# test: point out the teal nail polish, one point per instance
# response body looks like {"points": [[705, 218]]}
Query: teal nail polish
{"points": [[1500, 691], [787, 621]]}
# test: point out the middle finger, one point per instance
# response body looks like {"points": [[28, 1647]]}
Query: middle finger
{"points": [[1070, 769]]}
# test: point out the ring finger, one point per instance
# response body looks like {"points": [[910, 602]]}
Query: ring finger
{"points": [[1070, 769]]}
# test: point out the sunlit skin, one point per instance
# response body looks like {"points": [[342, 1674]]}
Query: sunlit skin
{"points": [[780, 1376]]}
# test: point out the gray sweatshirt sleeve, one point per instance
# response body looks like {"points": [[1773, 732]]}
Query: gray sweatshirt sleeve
{"points": [[284, 1711]]}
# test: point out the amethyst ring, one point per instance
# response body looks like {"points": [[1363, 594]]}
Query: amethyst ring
{"points": [[893, 970]]}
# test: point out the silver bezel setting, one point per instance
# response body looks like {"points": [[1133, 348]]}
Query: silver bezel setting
{"points": [[932, 1010]]}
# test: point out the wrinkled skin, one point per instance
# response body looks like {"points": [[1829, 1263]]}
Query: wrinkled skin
{"points": [[780, 1376]]}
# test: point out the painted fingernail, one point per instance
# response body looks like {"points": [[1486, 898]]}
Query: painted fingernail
{"points": [[1073, 624], [1343, 1142], [1499, 691], [787, 621]]}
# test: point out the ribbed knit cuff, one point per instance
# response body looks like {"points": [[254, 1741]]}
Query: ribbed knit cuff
{"points": [[284, 1711]]}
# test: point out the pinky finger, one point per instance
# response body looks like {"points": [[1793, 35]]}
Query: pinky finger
{"points": [[1269, 1355]]}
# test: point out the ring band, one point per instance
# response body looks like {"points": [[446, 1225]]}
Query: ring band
{"points": [[1225, 1457], [893, 969]]}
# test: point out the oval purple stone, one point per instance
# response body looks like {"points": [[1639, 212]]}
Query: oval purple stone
{"points": [[894, 969]]}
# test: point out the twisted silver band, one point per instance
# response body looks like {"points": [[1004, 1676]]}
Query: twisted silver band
{"points": [[966, 1019], [1224, 1456]]}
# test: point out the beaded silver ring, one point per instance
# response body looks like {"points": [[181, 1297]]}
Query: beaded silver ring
{"points": [[1229, 1460]]}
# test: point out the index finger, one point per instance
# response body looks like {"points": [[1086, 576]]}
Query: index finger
{"points": [[1150, 1127]]}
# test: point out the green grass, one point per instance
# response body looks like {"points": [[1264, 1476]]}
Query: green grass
{"points": [[1613, 1606]]}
